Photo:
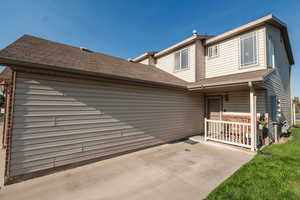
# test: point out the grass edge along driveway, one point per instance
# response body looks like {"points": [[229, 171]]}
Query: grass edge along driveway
{"points": [[266, 177]]}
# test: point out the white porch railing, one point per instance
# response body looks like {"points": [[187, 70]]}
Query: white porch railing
{"points": [[234, 133]]}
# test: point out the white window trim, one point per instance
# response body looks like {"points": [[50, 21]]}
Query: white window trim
{"points": [[270, 39], [240, 51], [188, 60], [212, 48]]}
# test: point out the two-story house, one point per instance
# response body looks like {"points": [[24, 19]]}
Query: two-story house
{"points": [[66, 106], [225, 67]]}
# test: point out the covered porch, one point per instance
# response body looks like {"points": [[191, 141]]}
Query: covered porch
{"points": [[232, 110]]}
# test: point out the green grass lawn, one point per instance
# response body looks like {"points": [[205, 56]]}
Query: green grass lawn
{"points": [[266, 177]]}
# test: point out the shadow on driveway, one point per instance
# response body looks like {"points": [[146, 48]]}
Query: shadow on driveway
{"points": [[171, 171]]}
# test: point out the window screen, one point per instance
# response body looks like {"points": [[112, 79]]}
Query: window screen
{"points": [[213, 51], [177, 61], [216, 50], [209, 52], [248, 50], [184, 59], [181, 59], [271, 53]]}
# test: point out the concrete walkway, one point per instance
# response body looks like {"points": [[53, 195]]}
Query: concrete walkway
{"points": [[172, 171]]}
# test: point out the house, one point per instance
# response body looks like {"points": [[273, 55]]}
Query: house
{"points": [[223, 67], [66, 106]]}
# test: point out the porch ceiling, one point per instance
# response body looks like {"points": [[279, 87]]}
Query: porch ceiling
{"points": [[228, 88]]}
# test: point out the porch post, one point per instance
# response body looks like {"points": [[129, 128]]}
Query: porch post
{"points": [[205, 129], [253, 116], [294, 114]]}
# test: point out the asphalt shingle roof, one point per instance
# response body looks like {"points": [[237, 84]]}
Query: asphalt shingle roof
{"points": [[31, 51], [6, 74], [36, 52], [257, 75]]}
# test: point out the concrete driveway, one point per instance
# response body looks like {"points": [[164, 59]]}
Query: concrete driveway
{"points": [[172, 171]]}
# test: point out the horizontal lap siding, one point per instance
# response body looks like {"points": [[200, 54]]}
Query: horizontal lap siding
{"points": [[58, 122], [237, 102], [278, 82], [145, 62], [228, 61], [261, 101], [167, 63], [240, 101]]}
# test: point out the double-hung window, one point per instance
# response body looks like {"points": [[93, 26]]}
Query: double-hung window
{"points": [[248, 50], [213, 51], [182, 59], [271, 53]]}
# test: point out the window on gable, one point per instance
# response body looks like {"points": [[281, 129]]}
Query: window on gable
{"points": [[248, 50], [177, 61], [184, 59], [213, 51], [271, 53], [181, 59]]}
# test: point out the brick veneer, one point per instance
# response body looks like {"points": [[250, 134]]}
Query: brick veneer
{"points": [[234, 118]]}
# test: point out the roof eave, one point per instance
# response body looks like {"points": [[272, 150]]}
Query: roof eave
{"points": [[287, 45], [238, 30], [283, 28], [16, 63], [179, 45], [269, 19], [171, 48], [223, 84], [143, 56]]}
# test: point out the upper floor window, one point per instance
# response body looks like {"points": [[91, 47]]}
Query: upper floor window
{"points": [[213, 51], [182, 59], [248, 50], [271, 53]]}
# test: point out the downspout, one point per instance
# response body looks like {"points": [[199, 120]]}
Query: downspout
{"points": [[10, 126], [6, 130], [292, 106]]}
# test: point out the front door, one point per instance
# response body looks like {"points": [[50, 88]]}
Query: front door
{"points": [[214, 108]]}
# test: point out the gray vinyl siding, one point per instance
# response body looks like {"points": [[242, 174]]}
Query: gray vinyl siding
{"points": [[239, 101], [278, 82], [57, 122], [167, 64], [145, 62]]}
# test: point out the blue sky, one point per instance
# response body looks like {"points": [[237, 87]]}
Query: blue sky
{"points": [[127, 28]]}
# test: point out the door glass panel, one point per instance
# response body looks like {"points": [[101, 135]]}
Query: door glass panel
{"points": [[214, 109]]}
